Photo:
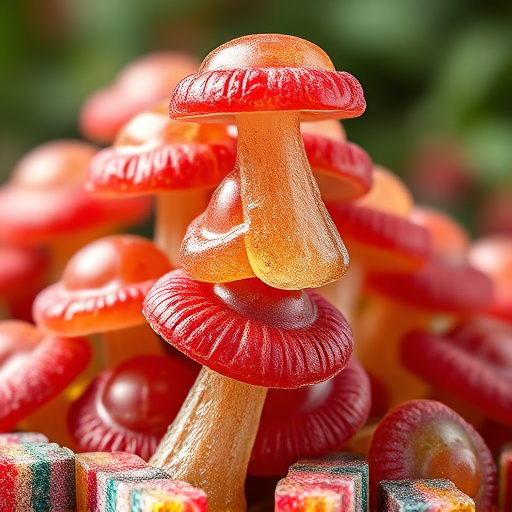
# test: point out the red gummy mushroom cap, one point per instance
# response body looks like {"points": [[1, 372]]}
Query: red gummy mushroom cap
{"points": [[138, 85], [473, 362], [426, 439], [152, 154], [34, 367], [249, 331], [20, 268], [46, 198], [130, 407], [310, 421], [102, 288], [267, 72]]}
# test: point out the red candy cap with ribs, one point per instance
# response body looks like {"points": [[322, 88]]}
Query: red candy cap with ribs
{"points": [[267, 72], [249, 331]]}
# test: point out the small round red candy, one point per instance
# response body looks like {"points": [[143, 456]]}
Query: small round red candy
{"points": [[423, 439], [129, 408]]}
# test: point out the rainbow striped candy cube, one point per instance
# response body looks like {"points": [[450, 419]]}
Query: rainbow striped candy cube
{"points": [[23, 438], [315, 492], [435, 495], [37, 477], [346, 464], [108, 482], [506, 478], [160, 496], [88, 465]]}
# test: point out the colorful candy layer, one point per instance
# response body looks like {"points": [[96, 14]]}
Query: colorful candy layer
{"points": [[347, 465], [37, 477], [23, 438], [167, 496], [506, 479], [107, 482], [436, 495], [88, 465], [315, 491]]}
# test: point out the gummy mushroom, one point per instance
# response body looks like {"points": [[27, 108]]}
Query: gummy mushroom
{"points": [[267, 84], [249, 337], [101, 291], [140, 84], [424, 439], [34, 368], [44, 203], [380, 236], [22, 276], [310, 421], [471, 362], [179, 163], [128, 408], [446, 288]]}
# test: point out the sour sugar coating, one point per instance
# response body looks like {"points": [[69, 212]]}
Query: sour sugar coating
{"points": [[267, 84], [37, 477], [88, 465], [107, 482], [423, 439], [23, 438], [505, 500], [166, 496], [315, 492], [344, 464], [437, 495]]}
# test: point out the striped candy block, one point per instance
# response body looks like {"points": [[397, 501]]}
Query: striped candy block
{"points": [[89, 465], [345, 464], [23, 438], [159, 495], [315, 492], [435, 495], [108, 482], [37, 477]]}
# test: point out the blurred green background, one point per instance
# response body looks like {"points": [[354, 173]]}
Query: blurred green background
{"points": [[437, 77]]}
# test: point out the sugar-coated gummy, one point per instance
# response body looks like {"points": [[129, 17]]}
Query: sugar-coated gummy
{"points": [[37, 477], [436, 495], [346, 464], [23, 438]]}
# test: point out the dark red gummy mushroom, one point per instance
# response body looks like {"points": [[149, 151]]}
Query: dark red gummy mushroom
{"points": [[34, 368], [472, 362], [140, 84], [179, 163], [22, 276], [423, 439], [249, 336], [129, 408], [45, 203], [310, 421]]}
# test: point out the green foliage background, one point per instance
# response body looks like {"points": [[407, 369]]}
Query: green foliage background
{"points": [[431, 70]]}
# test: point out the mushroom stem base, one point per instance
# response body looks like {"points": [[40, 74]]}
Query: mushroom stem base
{"points": [[210, 442]]}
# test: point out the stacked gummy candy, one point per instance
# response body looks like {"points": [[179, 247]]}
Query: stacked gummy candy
{"points": [[242, 348]]}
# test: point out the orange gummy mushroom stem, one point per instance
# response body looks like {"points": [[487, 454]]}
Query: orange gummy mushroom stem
{"points": [[272, 82]]}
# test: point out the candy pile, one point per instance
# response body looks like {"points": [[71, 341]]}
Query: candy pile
{"points": [[236, 360]]}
